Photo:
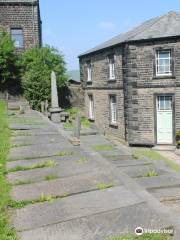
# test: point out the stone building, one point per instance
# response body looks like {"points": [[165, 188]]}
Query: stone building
{"points": [[132, 82], [21, 19]]}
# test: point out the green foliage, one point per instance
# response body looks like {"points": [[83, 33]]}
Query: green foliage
{"points": [[139, 153], [9, 64], [47, 164], [102, 186], [6, 232], [51, 177], [143, 237], [38, 63], [102, 148], [63, 154]]}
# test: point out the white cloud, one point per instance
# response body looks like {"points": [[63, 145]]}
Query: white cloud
{"points": [[106, 25]]}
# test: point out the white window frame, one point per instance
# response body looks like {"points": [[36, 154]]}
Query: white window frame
{"points": [[113, 109], [158, 58], [89, 71], [112, 75], [91, 107]]}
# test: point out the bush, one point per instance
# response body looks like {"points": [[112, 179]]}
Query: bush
{"points": [[9, 64], [38, 63]]}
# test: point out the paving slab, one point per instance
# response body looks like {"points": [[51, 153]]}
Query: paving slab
{"points": [[66, 166], [39, 150], [41, 139], [161, 193], [159, 181], [99, 226], [73, 207], [34, 175], [63, 187], [137, 171]]}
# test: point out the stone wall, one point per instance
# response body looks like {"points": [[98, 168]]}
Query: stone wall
{"points": [[135, 86], [102, 87], [25, 16], [141, 85]]}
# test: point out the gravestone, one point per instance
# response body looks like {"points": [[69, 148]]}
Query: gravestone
{"points": [[77, 126], [46, 107], [55, 109], [42, 107], [75, 140]]}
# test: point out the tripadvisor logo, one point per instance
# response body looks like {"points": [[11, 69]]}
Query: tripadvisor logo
{"points": [[139, 231]]}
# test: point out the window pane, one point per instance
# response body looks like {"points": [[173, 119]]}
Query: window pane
{"points": [[17, 37], [168, 101], [163, 61], [164, 54], [161, 102], [113, 107]]}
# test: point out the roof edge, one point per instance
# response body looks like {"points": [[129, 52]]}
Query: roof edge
{"points": [[129, 41]]}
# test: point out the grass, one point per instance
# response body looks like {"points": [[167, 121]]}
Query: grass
{"points": [[102, 148], [85, 123], [21, 183], [50, 177], [6, 232], [152, 173], [102, 186], [82, 160], [68, 126], [21, 204], [20, 145], [63, 154], [49, 163], [143, 237], [153, 155]]}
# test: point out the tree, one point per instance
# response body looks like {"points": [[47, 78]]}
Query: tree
{"points": [[9, 65], [38, 63]]}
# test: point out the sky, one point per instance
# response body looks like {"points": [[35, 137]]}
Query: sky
{"points": [[74, 26]]}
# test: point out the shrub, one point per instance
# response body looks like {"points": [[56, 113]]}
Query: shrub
{"points": [[38, 63], [9, 64]]}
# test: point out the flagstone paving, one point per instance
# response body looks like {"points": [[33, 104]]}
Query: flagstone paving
{"points": [[95, 191]]}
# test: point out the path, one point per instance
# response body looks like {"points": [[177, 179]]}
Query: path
{"points": [[71, 179]]}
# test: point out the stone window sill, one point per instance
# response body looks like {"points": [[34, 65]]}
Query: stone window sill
{"points": [[115, 125], [164, 77], [91, 119], [89, 82], [111, 80]]}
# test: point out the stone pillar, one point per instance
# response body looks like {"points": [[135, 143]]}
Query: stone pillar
{"points": [[54, 110]]}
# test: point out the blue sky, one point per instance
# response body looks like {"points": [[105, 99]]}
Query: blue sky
{"points": [[74, 26]]}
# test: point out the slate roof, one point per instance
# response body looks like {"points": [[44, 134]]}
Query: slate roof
{"points": [[167, 25], [18, 1]]}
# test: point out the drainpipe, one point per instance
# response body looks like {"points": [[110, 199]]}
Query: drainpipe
{"points": [[33, 23]]}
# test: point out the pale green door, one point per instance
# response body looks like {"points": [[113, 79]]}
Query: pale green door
{"points": [[164, 120]]}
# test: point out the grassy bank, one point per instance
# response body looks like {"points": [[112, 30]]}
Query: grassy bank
{"points": [[6, 232]]}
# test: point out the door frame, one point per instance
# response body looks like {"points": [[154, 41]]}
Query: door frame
{"points": [[173, 117]]}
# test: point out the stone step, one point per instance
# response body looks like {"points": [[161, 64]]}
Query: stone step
{"points": [[73, 207], [99, 226], [62, 187], [164, 148]]}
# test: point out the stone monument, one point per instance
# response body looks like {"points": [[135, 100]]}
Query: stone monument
{"points": [[55, 110]]}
